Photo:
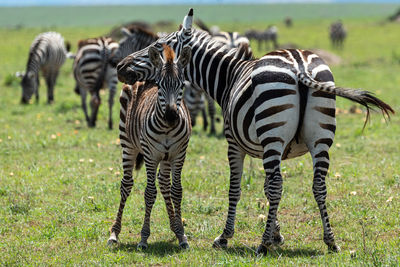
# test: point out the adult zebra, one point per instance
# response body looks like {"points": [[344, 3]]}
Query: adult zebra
{"points": [[92, 71], [155, 126], [277, 107], [337, 34], [47, 54]]}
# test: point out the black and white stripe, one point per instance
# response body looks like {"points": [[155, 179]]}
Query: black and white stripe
{"points": [[155, 127], [264, 37], [277, 107], [93, 71], [47, 54]]}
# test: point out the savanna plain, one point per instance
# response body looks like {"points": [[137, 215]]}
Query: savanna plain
{"points": [[59, 180]]}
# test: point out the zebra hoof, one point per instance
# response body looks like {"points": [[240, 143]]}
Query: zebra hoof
{"points": [[220, 242], [142, 246], [184, 245], [333, 248], [278, 240], [263, 249], [112, 242]]}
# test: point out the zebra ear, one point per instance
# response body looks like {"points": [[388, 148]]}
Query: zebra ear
{"points": [[125, 32], [188, 20], [185, 56], [154, 57]]}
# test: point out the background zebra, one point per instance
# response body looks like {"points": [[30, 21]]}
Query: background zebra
{"points": [[337, 34], [47, 54], [92, 71], [155, 127], [264, 37], [278, 107]]}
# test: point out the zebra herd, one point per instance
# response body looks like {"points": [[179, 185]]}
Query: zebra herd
{"points": [[277, 107]]}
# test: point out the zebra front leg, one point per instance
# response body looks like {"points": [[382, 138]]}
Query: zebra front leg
{"points": [[112, 87], [164, 180], [273, 192], [321, 165], [177, 199], [128, 159], [236, 158], [50, 82], [211, 112], [150, 195]]}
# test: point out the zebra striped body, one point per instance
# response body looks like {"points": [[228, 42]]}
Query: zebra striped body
{"points": [[47, 54], [337, 34], [93, 71], [231, 39], [155, 126], [277, 107]]}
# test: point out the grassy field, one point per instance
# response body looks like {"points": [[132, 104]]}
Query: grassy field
{"points": [[59, 180]]}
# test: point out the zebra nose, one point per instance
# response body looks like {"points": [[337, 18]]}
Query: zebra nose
{"points": [[171, 114], [125, 73]]}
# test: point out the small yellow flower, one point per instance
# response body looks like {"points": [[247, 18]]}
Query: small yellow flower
{"points": [[53, 136], [353, 193]]}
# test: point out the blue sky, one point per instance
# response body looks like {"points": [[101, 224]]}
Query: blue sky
{"points": [[129, 2]]}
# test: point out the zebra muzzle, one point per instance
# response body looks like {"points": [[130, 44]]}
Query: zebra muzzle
{"points": [[171, 114]]}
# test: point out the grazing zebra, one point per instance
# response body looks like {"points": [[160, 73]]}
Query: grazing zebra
{"points": [[337, 34], [269, 35], [155, 127], [47, 54], [277, 107], [92, 71]]}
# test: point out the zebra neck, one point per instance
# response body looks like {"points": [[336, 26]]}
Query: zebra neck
{"points": [[33, 64], [213, 69], [158, 116]]}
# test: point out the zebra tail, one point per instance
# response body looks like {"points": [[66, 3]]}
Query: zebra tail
{"points": [[365, 98]]}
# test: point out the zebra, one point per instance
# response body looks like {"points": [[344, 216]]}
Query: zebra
{"points": [[47, 54], [92, 69], [134, 39], [155, 127], [337, 34], [270, 34], [277, 107]]}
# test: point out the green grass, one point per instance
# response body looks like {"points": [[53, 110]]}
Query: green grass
{"points": [[59, 180]]}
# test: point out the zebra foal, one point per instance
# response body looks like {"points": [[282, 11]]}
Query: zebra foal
{"points": [[93, 69], [277, 107], [155, 127], [47, 54]]}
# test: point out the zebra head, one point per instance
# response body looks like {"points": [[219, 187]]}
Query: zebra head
{"points": [[29, 84], [137, 66], [170, 79]]}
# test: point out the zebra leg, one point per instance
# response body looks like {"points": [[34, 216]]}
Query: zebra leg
{"points": [[321, 164], [236, 158], [273, 192], [128, 159], [113, 87], [211, 113], [164, 180], [150, 195], [177, 199], [94, 105], [84, 107], [205, 121], [50, 82]]}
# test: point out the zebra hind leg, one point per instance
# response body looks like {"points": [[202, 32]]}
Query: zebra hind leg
{"points": [[321, 165], [273, 192], [94, 105], [113, 89], [236, 159]]}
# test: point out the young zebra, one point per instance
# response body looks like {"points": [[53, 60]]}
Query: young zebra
{"points": [[277, 107], [92, 71], [47, 54], [155, 127], [337, 34]]}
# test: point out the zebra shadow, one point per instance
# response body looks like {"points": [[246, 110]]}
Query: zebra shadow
{"points": [[244, 251], [158, 248]]}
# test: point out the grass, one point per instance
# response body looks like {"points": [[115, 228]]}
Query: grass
{"points": [[59, 180]]}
